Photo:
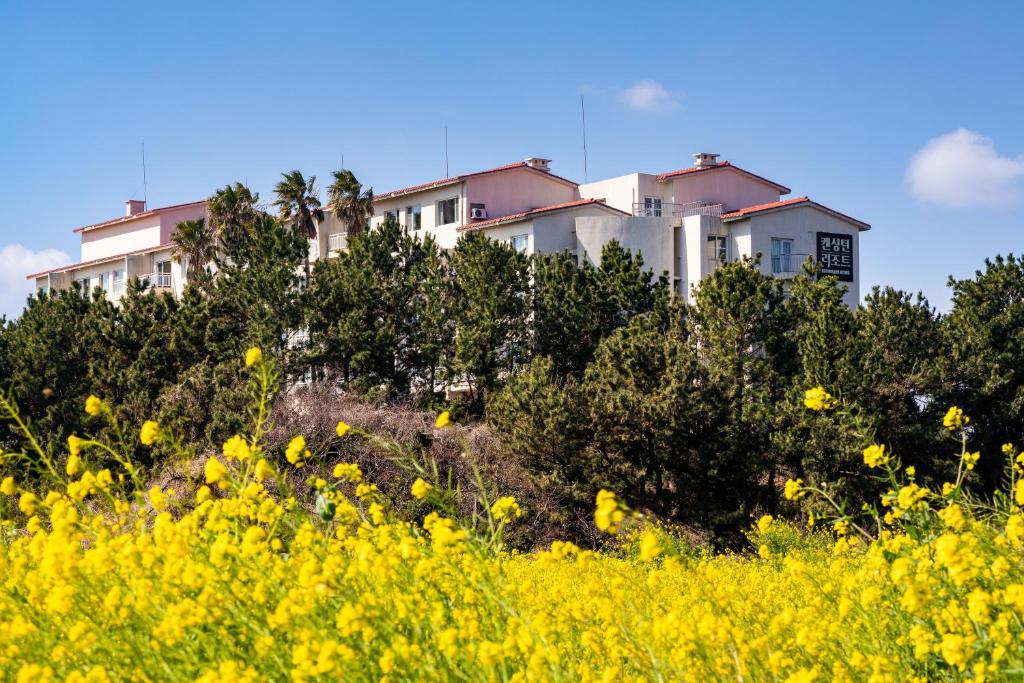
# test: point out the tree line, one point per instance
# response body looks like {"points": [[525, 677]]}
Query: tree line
{"points": [[591, 375]]}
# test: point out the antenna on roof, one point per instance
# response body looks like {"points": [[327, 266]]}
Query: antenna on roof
{"points": [[583, 112], [145, 197], [446, 175]]}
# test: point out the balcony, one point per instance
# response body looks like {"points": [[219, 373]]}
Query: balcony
{"points": [[336, 242], [677, 210], [119, 287], [788, 265], [158, 281]]}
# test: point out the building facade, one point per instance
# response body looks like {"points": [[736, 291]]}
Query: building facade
{"points": [[135, 245], [685, 223]]}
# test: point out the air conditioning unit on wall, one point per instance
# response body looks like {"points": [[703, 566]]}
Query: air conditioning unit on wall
{"points": [[477, 214]]}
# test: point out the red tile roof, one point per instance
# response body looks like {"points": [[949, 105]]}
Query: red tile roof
{"points": [[524, 215], [786, 203], [725, 164], [143, 214], [83, 264], [444, 182]]}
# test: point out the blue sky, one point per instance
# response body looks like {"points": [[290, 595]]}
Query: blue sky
{"points": [[906, 115]]}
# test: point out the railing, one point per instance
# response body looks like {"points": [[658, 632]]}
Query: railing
{"points": [[677, 210], [336, 242], [788, 265], [119, 287], [158, 280]]}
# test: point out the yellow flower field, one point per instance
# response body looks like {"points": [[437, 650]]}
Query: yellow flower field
{"points": [[228, 581]]}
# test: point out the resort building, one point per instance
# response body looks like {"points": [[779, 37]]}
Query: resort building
{"points": [[685, 223], [135, 245]]}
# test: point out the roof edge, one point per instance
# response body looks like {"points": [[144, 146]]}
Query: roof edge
{"points": [[533, 213], [747, 212], [143, 214]]}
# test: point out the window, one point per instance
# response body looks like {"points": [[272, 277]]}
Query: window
{"points": [[162, 274], [84, 282], [105, 282], [520, 243], [652, 206], [391, 216], [782, 256], [447, 211], [413, 217], [718, 248], [118, 281]]}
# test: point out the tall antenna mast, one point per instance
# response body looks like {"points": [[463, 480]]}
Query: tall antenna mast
{"points": [[446, 175], [145, 197], [583, 112]]}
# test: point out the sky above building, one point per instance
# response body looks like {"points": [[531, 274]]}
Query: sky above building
{"points": [[905, 115]]}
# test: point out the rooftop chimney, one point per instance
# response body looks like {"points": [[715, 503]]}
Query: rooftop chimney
{"points": [[539, 164], [134, 206], [705, 160]]}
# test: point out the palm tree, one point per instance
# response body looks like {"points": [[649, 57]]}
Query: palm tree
{"points": [[232, 210], [298, 204], [351, 204], [194, 245]]}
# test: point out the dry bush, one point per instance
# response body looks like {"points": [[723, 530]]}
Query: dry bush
{"points": [[315, 411]]}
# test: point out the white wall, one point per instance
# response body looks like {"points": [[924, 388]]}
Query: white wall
{"points": [[651, 237], [800, 224], [446, 235], [121, 238]]}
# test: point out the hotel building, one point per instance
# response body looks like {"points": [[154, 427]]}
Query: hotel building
{"points": [[685, 222]]}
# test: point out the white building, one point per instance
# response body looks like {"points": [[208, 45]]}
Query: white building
{"points": [[690, 221], [136, 245], [685, 222]]}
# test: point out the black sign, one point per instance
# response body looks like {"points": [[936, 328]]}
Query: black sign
{"points": [[835, 254]]}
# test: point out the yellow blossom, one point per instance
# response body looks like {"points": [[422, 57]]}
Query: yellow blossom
{"points": [[150, 432], [214, 470], [93, 405], [74, 445], [253, 356], [7, 487], [443, 420], [818, 399], [608, 514], [158, 499], [794, 489], [296, 451], [27, 503], [955, 419], [420, 488], [341, 429], [874, 455], [505, 509], [650, 545]]}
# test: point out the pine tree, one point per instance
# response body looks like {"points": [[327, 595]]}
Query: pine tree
{"points": [[492, 302]]}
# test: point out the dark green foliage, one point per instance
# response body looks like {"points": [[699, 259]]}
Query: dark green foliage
{"points": [[378, 313], [984, 371], [49, 350], [253, 301], [591, 376], [645, 397], [574, 307], [543, 422], [491, 289]]}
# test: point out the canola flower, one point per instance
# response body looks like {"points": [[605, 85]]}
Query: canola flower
{"points": [[237, 582], [818, 399]]}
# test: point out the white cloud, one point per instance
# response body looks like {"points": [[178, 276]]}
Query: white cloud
{"points": [[962, 168], [648, 96], [15, 263]]}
